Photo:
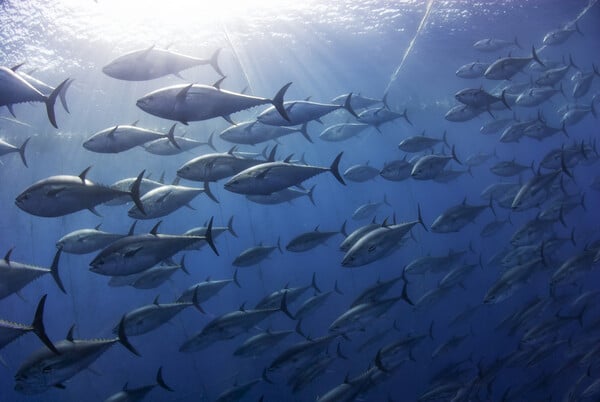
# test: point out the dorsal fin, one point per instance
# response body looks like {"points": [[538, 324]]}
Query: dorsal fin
{"points": [[232, 150], [125, 387], [156, 300], [134, 124], [317, 228], [7, 256], [97, 227], [288, 159], [217, 84], [15, 68], [243, 306], [132, 228], [154, 230], [83, 174], [183, 93], [70, 333], [111, 133]]}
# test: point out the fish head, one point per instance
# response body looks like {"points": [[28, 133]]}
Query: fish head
{"points": [[120, 68], [239, 184], [161, 102], [37, 376], [32, 199]]}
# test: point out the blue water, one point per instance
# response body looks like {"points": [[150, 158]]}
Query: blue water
{"points": [[325, 50]]}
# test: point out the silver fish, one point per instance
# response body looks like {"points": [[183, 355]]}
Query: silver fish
{"points": [[138, 394], [63, 195], [152, 63], [255, 255], [506, 67], [301, 112], [84, 241], [342, 131], [309, 240], [166, 199], [361, 173], [270, 177], [121, 138], [195, 102], [254, 132], [494, 44]]}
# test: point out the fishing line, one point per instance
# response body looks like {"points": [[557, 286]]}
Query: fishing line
{"points": [[410, 46]]}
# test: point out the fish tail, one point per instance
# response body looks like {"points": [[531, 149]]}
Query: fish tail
{"points": [[63, 95], [135, 192], [348, 105], [304, 131], [572, 63], [310, 194], [51, 101], [284, 307], [209, 238], [235, 279], [405, 115], [22, 151], [171, 137], [214, 62], [420, 217], [210, 142], [38, 325], [123, 337], [335, 168], [230, 227], [454, 155], [277, 101], [535, 56], [313, 282], [54, 270], [161, 382], [503, 97], [517, 44]]}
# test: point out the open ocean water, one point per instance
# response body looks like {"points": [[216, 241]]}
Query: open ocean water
{"points": [[537, 341]]}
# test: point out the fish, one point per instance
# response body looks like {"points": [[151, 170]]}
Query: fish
{"points": [[14, 89], [516, 131], [358, 101], [378, 243], [255, 255], [281, 196], [420, 143], [310, 305], [511, 280], [534, 97], [434, 264], [164, 146], [361, 173], [429, 167], [560, 36], [309, 240], [14, 276], [396, 170], [151, 316], [85, 241], [10, 331], [357, 317], [166, 199], [494, 227], [196, 102], [44, 369], [238, 391], [577, 113], [270, 177], [302, 352], [376, 117], [217, 166], [448, 175], [126, 185], [472, 70], [121, 138], [230, 325], [494, 126], [342, 131], [479, 158], [534, 191], [137, 394], [6, 148], [376, 291], [540, 130], [216, 232], [151, 63], [273, 299], [369, 209], [63, 195], [553, 76], [204, 291], [457, 217], [157, 275], [254, 132], [506, 67], [261, 343], [583, 82], [301, 112], [353, 237], [450, 344], [461, 113], [494, 44], [479, 98], [133, 254], [509, 168]]}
